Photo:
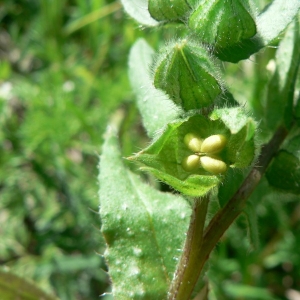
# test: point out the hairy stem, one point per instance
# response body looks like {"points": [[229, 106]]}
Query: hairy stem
{"points": [[224, 218], [199, 244], [187, 273]]}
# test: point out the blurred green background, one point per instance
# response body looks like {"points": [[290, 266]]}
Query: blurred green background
{"points": [[63, 72]]}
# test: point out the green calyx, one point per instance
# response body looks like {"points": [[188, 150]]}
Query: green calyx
{"points": [[187, 73], [223, 24], [165, 10], [194, 154]]}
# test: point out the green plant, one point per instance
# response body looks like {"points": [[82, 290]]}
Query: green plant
{"points": [[206, 145], [57, 90]]}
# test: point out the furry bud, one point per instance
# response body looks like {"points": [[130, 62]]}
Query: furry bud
{"points": [[223, 24], [186, 72]]}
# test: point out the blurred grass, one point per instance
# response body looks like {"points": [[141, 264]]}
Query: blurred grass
{"points": [[63, 72]]}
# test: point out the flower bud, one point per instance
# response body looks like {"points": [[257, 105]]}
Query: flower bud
{"points": [[223, 24], [186, 72], [193, 142], [213, 165], [214, 144], [191, 163]]}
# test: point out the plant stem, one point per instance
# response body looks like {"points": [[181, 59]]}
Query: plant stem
{"points": [[225, 217], [187, 272], [198, 244]]}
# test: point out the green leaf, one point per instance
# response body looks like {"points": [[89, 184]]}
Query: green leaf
{"points": [[138, 10], [15, 287], [275, 18], [194, 185], [223, 24], [242, 145], [284, 172], [279, 106], [188, 74], [166, 156], [144, 229], [155, 107], [235, 119], [163, 10], [270, 23]]}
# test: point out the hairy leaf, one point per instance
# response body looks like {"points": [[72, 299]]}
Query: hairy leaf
{"points": [[138, 9], [242, 145], [155, 107], [144, 229], [235, 119], [275, 18]]}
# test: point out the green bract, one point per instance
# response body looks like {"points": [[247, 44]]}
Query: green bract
{"points": [[223, 24], [187, 73], [172, 161], [163, 10]]}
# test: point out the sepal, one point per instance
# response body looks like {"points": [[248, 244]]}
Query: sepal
{"points": [[188, 74], [166, 157], [223, 24]]}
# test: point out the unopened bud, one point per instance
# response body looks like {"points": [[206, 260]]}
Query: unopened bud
{"points": [[214, 144], [193, 142], [191, 163], [213, 165]]}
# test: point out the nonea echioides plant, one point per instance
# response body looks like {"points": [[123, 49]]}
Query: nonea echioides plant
{"points": [[212, 144]]}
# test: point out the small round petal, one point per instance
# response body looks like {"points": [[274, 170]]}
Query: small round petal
{"points": [[213, 165], [214, 144], [193, 142], [191, 163]]}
